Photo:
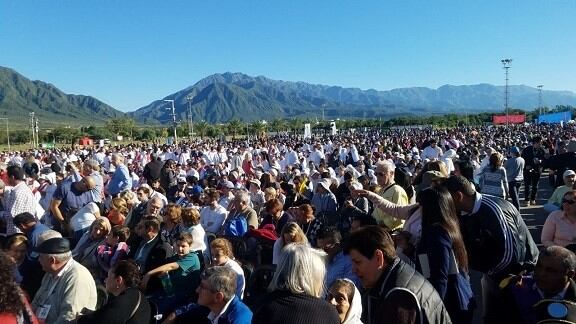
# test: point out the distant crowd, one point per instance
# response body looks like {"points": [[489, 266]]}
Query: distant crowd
{"points": [[360, 227]]}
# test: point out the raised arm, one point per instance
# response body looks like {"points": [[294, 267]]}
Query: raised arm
{"points": [[390, 208]]}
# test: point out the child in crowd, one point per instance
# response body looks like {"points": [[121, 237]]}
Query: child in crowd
{"points": [[114, 249], [222, 255], [180, 276]]}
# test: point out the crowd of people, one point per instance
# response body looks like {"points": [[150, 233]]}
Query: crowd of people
{"points": [[361, 227]]}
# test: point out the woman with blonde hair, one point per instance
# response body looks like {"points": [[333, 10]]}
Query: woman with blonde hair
{"points": [[191, 224], [118, 211], [172, 217], [291, 233], [296, 288]]}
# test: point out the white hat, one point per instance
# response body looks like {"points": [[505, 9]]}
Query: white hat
{"points": [[256, 182], [568, 173], [325, 183], [356, 185]]}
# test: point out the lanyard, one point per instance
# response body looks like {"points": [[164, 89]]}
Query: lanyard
{"points": [[55, 281]]}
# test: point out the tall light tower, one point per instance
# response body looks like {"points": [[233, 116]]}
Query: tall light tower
{"points": [[540, 108], [33, 129], [7, 133], [506, 63], [173, 119], [189, 100]]}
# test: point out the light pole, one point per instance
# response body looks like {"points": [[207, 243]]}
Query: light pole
{"points": [[506, 64], [540, 99], [7, 132], [190, 129], [173, 120]]}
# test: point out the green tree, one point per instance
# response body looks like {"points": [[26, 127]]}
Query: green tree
{"points": [[121, 126], [259, 127], [201, 128], [278, 125], [234, 127]]}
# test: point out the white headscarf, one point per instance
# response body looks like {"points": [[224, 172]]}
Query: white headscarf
{"points": [[355, 310]]}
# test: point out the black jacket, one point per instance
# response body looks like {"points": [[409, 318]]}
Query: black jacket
{"points": [[152, 170], [497, 240], [119, 308], [402, 291], [284, 307], [533, 158]]}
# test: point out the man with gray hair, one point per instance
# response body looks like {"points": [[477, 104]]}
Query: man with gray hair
{"points": [[91, 168], [384, 172], [67, 289], [121, 179], [529, 299], [217, 291], [217, 301]]}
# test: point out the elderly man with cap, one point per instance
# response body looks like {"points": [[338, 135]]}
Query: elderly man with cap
{"points": [[177, 194], [67, 289], [555, 201], [226, 193], [256, 194]]}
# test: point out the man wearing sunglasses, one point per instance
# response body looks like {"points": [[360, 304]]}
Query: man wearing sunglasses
{"points": [[384, 172]]}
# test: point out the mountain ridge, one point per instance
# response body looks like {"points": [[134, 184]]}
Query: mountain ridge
{"points": [[20, 96], [234, 95]]}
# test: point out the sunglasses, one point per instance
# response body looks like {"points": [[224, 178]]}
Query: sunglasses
{"points": [[568, 201]]}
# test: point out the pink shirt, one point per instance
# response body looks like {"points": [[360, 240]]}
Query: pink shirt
{"points": [[558, 230]]}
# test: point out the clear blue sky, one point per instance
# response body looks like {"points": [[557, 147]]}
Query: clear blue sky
{"points": [[129, 53]]}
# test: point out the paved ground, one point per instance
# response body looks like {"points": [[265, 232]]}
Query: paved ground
{"points": [[534, 216]]}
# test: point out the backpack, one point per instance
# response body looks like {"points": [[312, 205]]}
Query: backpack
{"points": [[236, 226]]}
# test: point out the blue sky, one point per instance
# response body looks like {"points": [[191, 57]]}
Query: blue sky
{"points": [[129, 53]]}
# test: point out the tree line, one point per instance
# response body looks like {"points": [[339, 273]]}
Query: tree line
{"points": [[130, 130]]}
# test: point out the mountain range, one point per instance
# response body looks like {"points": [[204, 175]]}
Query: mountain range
{"points": [[222, 97], [19, 96]]}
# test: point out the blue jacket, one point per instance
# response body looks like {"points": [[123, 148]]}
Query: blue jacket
{"points": [[236, 313], [120, 180], [436, 261]]}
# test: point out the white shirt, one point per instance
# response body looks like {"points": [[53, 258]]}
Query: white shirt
{"points": [[84, 217], [431, 153], [214, 318], [212, 219]]}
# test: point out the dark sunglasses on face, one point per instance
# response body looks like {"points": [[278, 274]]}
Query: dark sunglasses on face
{"points": [[568, 201]]}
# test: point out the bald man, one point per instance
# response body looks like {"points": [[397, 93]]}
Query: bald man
{"points": [[68, 199]]}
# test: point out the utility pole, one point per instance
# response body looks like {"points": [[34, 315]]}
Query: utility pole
{"points": [[506, 64], [36, 131], [190, 129], [173, 120], [540, 108]]}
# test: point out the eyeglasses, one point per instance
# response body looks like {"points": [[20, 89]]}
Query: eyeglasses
{"points": [[568, 201], [203, 287]]}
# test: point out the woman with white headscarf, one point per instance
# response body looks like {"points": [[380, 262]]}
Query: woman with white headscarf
{"points": [[344, 295]]}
